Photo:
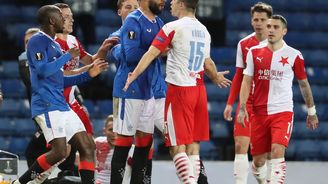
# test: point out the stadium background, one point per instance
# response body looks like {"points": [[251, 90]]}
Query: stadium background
{"points": [[227, 21]]}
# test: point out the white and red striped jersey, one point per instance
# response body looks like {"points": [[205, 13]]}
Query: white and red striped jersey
{"points": [[243, 47], [273, 74], [71, 64], [190, 42], [104, 154]]}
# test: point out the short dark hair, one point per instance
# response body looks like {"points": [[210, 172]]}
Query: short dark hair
{"points": [[62, 5], [262, 8], [191, 4], [45, 12], [281, 18], [120, 3]]}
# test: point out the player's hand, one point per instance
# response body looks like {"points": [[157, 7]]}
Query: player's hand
{"points": [[98, 66], [129, 80], [312, 122], [75, 51], [108, 43], [227, 113], [242, 115], [221, 81]]}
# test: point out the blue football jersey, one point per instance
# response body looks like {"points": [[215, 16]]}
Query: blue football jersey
{"points": [[136, 36], [46, 61]]}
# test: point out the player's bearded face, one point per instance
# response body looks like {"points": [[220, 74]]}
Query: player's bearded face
{"points": [[155, 8]]}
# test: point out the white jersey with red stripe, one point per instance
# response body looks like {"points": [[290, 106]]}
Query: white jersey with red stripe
{"points": [[190, 42], [273, 74], [104, 154], [243, 47], [72, 64]]}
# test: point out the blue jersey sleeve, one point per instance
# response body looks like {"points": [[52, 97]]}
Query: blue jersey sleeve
{"points": [[76, 79], [37, 49], [131, 41]]}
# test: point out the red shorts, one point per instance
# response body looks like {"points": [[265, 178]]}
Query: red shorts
{"points": [[270, 129], [239, 130], [83, 115], [186, 115]]}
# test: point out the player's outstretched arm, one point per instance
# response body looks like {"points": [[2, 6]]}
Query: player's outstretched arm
{"points": [[312, 121], [243, 96], [105, 46], [145, 61], [217, 77], [98, 66]]}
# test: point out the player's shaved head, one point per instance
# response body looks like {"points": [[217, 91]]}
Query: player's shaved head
{"points": [[281, 18], [191, 4], [46, 12]]}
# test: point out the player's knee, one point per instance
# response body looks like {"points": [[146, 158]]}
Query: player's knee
{"points": [[177, 149], [277, 151], [259, 161], [241, 146]]}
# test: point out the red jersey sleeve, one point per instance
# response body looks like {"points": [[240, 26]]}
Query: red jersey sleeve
{"points": [[236, 85], [162, 40], [299, 69], [82, 50]]}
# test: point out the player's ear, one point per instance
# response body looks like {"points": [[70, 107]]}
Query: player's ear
{"points": [[119, 12], [51, 20], [285, 31]]}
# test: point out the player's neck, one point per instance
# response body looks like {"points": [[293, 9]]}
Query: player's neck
{"points": [[276, 46], [49, 31], [62, 36], [187, 14], [146, 11], [260, 37]]}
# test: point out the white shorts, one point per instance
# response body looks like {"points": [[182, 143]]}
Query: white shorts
{"points": [[158, 115], [131, 115], [57, 124]]}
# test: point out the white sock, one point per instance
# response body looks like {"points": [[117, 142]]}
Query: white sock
{"points": [[241, 165], [195, 162], [278, 171], [259, 173], [184, 168], [268, 176]]}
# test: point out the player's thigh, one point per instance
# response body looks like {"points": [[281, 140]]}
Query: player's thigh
{"points": [[52, 124], [146, 120], [73, 124], [260, 135], [129, 112], [179, 115], [201, 120], [159, 114], [282, 127]]}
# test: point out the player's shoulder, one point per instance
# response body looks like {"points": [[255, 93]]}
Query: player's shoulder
{"points": [[136, 15], [247, 38], [38, 39], [291, 50], [258, 47], [71, 37], [101, 139]]}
